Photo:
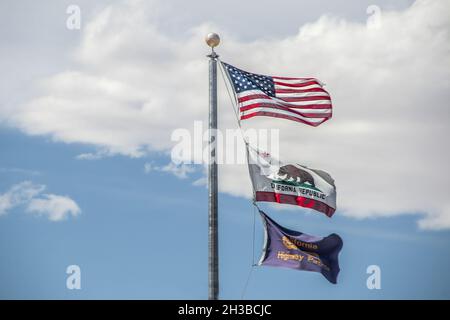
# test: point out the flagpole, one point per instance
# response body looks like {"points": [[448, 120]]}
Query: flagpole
{"points": [[213, 40]]}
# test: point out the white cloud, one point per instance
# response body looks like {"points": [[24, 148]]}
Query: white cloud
{"points": [[180, 171], [203, 181], [132, 84], [54, 207], [148, 167], [18, 194], [92, 155], [436, 219]]}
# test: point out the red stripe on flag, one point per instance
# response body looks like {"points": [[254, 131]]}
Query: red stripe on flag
{"points": [[253, 96], [299, 99], [295, 85], [282, 116], [295, 200], [286, 104], [279, 107], [286, 99], [288, 78], [299, 90], [280, 103]]}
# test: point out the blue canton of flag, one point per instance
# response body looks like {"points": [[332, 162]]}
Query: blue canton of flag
{"points": [[243, 80]]}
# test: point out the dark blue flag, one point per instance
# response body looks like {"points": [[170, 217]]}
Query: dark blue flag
{"points": [[297, 250]]}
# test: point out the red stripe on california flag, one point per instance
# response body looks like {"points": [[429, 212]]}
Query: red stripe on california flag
{"points": [[282, 116], [295, 200]]}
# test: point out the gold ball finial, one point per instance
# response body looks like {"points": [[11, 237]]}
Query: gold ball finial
{"points": [[212, 39]]}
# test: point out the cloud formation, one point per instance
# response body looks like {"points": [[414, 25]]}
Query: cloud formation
{"points": [[132, 84], [180, 171], [19, 194], [54, 207]]}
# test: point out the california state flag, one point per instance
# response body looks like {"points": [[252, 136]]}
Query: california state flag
{"points": [[293, 184]]}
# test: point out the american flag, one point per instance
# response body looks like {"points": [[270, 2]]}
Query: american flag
{"points": [[298, 99]]}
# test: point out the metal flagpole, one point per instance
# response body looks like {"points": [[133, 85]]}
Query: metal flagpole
{"points": [[213, 40]]}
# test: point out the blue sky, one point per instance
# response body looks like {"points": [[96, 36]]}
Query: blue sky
{"points": [[86, 118], [144, 236]]}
